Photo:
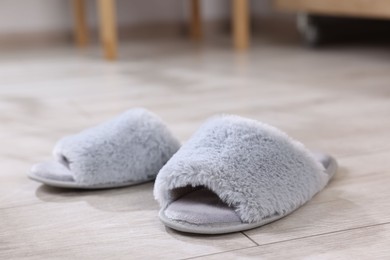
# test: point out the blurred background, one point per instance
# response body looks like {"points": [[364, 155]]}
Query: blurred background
{"points": [[49, 22], [45, 20]]}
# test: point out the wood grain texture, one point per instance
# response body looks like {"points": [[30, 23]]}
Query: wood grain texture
{"points": [[372, 8], [335, 100]]}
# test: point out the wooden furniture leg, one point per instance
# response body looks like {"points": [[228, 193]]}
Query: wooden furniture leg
{"points": [[80, 23], [196, 21], [241, 24], [108, 30]]}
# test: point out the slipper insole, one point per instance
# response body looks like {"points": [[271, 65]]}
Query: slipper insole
{"points": [[53, 170]]}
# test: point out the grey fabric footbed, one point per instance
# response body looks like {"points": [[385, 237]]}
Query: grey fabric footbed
{"points": [[75, 185], [202, 211], [126, 150], [57, 175]]}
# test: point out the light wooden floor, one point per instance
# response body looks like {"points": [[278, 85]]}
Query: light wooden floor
{"points": [[336, 100]]}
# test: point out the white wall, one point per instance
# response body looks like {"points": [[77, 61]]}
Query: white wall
{"points": [[19, 16], [28, 16]]}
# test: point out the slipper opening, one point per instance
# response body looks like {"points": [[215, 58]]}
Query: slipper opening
{"points": [[200, 206]]}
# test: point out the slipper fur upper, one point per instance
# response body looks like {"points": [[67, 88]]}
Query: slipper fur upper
{"points": [[253, 167], [131, 147]]}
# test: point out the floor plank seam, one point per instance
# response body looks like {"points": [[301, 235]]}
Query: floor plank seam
{"points": [[326, 233], [250, 238], [217, 253], [283, 241], [348, 156]]}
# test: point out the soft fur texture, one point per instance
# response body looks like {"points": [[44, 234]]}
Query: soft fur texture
{"points": [[131, 147], [251, 166]]}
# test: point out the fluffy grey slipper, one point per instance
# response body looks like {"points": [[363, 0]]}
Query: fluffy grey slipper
{"points": [[126, 150], [236, 174]]}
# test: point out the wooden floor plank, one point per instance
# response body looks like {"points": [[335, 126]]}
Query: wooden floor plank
{"points": [[118, 224], [336, 100], [362, 243]]}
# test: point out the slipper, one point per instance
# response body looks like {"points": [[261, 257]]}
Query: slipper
{"points": [[236, 174], [127, 150]]}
